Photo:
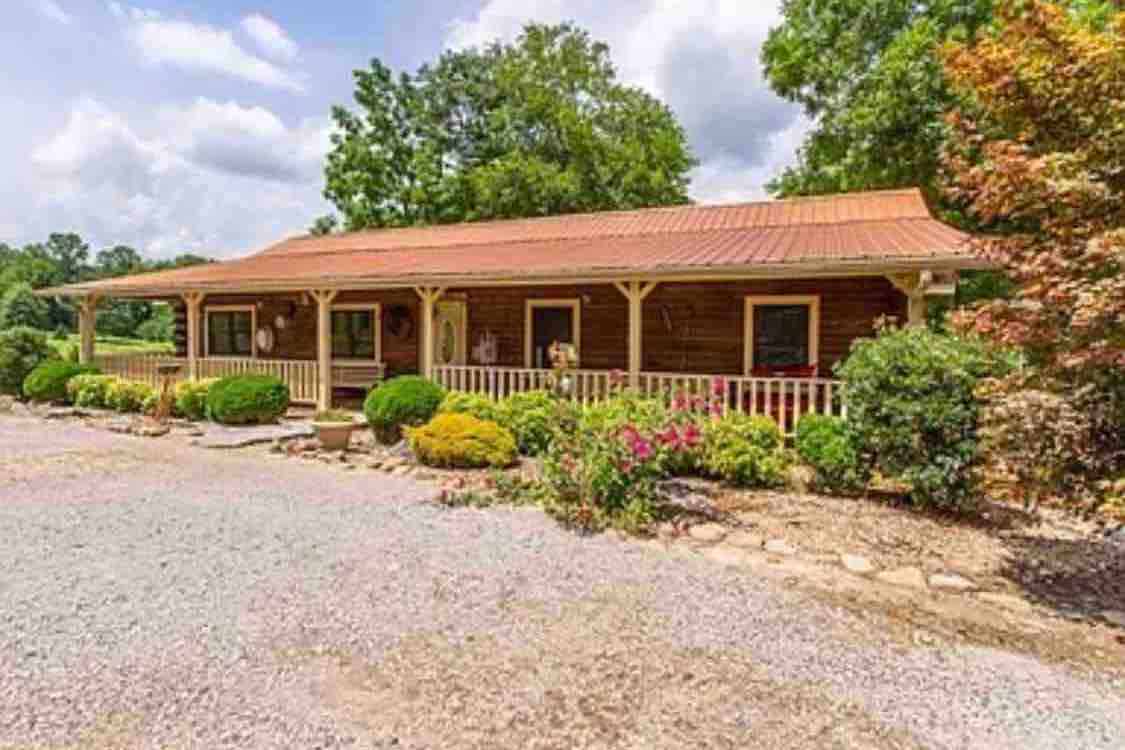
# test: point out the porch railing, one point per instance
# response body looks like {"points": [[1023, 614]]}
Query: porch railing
{"points": [[302, 376], [786, 400]]}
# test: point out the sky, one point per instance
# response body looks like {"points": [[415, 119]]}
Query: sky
{"points": [[202, 125]]}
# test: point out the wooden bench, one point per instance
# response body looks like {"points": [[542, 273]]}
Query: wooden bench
{"points": [[358, 375]]}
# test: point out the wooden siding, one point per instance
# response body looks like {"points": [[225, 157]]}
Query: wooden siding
{"points": [[707, 321]]}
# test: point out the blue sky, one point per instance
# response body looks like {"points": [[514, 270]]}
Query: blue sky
{"points": [[201, 126]]}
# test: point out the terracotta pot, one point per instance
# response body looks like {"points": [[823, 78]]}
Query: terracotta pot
{"points": [[334, 436]]}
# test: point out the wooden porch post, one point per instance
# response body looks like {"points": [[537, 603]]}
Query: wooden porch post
{"points": [[635, 292], [324, 299], [193, 301], [913, 285], [429, 296], [87, 320]]}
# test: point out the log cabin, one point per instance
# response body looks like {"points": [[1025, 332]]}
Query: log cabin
{"points": [[759, 299]]}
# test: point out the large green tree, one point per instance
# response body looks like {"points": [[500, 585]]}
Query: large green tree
{"points": [[537, 127], [867, 74]]}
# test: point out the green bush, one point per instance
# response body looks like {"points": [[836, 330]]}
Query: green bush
{"points": [[531, 418], [47, 382], [248, 399], [90, 391], [461, 441], [21, 351], [473, 404], [190, 398], [912, 411], [826, 445], [20, 307], [128, 396], [745, 451], [406, 401]]}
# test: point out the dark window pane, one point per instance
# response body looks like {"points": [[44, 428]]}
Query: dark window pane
{"points": [[353, 334], [230, 334], [781, 336]]}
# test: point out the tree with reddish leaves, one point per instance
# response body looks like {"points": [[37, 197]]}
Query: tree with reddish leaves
{"points": [[1038, 158]]}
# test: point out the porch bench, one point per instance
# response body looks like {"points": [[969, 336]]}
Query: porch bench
{"points": [[358, 375]]}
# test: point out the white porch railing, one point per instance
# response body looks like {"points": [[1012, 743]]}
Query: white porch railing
{"points": [[786, 400], [301, 376]]}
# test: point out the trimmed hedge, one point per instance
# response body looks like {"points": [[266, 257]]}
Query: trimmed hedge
{"points": [[826, 445], [21, 351], [47, 382], [405, 401], [531, 418], [190, 398], [248, 399], [461, 441], [90, 391], [473, 404]]}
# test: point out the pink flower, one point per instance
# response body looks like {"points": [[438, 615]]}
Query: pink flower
{"points": [[642, 449], [719, 387], [716, 408], [629, 434], [679, 402], [691, 436]]}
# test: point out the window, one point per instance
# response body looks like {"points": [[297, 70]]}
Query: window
{"points": [[230, 332], [548, 321], [782, 333], [355, 332]]}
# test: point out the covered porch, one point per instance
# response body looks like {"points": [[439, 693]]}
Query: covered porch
{"points": [[764, 345]]}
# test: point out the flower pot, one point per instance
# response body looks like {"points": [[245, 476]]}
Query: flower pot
{"points": [[334, 436]]}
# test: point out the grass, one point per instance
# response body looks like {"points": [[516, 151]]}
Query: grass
{"points": [[115, 345]]}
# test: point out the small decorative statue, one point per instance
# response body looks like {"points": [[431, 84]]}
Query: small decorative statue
{"points": [[564, 358]]}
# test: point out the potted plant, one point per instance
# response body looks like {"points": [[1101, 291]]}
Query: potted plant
{"points": [[334, 429]]}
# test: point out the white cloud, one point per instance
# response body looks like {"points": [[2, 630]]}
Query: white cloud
{"points": [[270, 38], [701, 58], [184, 184], [198, 46], [54, 11], [248, 141]]}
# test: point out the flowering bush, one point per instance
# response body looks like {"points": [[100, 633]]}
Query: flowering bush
{"points": [[461, 441]]}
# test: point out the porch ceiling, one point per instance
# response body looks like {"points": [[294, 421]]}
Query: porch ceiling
{"points": [[853, 234]]}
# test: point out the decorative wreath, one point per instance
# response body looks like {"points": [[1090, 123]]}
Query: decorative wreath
{"points": [[400, 321]]}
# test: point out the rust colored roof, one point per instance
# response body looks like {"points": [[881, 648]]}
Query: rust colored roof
{"points": [[888, 229]]}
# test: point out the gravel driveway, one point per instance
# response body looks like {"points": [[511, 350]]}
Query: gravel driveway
{"points": [[159, 596]]}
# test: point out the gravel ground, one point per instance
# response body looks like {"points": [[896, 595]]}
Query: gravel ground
{"points": [[157, 596]]}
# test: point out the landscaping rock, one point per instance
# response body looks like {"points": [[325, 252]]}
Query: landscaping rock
{"points": [[745, 540], [1114, 617], [780, 547], [151, 429], [6, 403], [223, 437], [708, 532], [857, 564], [1009, 602], [952, 582], [61, 412], [908, 577], [799, 478]]}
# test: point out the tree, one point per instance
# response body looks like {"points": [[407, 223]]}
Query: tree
{"points": [[324, 225], [20, 307], [120, 260], [866, 72], [1039, 160], [533, 128]]}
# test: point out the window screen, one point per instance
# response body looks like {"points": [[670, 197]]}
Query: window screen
{"points": [[781, 336]]}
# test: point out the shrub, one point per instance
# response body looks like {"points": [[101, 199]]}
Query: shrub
{"points": [[89, 391], [128, 396], [745, 451], [21, 351], [912, 409], [473, 404], [406, 401], [190, 398], [826, 445], [248, 399], [461, 441], [47, 382], [530, 417]]}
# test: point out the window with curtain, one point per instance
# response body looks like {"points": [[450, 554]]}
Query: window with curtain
{"points": [[353, 334], [230, 333], [781, 336]]}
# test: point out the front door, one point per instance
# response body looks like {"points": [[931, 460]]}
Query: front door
{"points": [[450, 333]]}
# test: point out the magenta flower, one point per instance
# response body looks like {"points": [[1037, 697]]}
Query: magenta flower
{"points": [[719, 387], [692, 436], [679, 402], [642, 449]]}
